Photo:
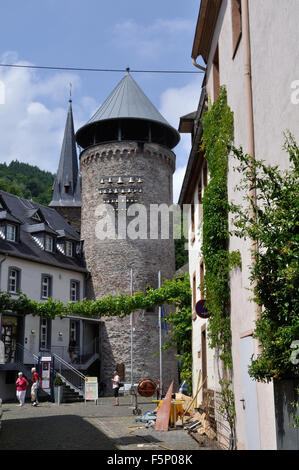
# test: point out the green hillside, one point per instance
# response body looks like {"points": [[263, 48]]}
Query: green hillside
{"points": [[26, 181]]}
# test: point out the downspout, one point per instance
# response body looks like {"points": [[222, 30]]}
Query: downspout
{"points": [[1, 261], [251, 151], [250, 118]]}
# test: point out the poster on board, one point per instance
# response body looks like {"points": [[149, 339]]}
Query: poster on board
{"points": [[91, 388]]}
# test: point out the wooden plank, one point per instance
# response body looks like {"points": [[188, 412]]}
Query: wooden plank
{"points": [[163, 412]]}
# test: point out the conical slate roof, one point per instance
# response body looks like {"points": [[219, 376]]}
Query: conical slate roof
{"points": [[66, 188], [127, 102]]}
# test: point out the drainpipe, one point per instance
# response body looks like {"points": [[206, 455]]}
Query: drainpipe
{"points": [[1, 261], [250, 116]]}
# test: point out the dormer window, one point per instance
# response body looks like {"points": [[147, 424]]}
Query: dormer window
{"points": [[68, 248], [11, 233], [49, 243]]}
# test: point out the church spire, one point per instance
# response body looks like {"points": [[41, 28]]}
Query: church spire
{"points": [[66, 188]]}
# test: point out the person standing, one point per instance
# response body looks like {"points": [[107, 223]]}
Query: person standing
{"points": [[22, 384], [34, 387], [115, 386]]}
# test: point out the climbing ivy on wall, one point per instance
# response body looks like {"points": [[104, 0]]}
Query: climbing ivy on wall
{"points": [[218, 125]]}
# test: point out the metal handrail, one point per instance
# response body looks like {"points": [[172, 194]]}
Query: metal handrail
{"points": [[69, 375], [68, 366]]}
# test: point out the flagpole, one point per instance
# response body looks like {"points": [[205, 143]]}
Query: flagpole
{"points": [[160, 335], [131, 315]]}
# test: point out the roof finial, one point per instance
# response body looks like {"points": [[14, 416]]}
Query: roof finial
{"points": [[70, 100], [128, 70]]}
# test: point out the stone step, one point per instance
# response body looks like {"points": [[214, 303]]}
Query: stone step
{"points": [[70, 395]]}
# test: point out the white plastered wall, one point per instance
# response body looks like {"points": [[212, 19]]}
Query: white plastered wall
{"points": [[275, 57]]}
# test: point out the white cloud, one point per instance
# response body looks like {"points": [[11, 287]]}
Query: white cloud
{"points": [[34, 112], [175, 103], [150, 40]]}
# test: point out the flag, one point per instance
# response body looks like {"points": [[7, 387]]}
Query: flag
{"points": [[163, 316]]}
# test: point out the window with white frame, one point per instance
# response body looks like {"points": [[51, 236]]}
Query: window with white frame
{"points": [[68, 248], [11, 232], [13, 280], [75, 291], [46, 286], [49, 243], [43, 333]]}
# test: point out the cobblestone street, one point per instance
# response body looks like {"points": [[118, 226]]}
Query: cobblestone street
{"points": [[80, 426]]}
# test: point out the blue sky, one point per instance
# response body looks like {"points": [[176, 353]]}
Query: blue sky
{"points": [[155, 35]]}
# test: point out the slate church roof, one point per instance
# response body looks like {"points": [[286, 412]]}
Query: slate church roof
{"points": [[66, 188]]}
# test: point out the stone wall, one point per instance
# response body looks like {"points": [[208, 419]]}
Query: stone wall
{"points": [[72, 215]]}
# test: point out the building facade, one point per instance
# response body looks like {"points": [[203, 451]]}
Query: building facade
{"points": [[238, 44], [40, 256]]}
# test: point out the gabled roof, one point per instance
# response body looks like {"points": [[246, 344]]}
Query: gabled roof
{"points": [[68, 171], [53, 223], [205, 28]]}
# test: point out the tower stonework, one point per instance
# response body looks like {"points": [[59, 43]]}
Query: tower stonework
{"points": [[117, 167]]}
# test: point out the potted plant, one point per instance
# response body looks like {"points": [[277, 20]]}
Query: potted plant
{"points": [[58, 389]]}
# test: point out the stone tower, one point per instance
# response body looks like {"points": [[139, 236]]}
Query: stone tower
{"points": [[127, 157], [66, 196]]}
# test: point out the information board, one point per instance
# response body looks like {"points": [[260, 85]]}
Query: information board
{"points": [[91, 388]]}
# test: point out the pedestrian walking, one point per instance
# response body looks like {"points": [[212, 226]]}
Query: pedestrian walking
{"points": [[22, 384], [115, 386], [34, 387]]}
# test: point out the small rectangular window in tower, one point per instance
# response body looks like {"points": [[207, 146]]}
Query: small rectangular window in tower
{"points": [[236, 24], [216, 74]]}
